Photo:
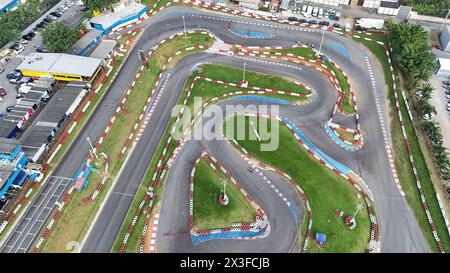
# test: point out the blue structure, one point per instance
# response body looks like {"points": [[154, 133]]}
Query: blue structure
{"points": [[445, 39], [13, 171], [106, 24], [321, 238], [6, 5]]}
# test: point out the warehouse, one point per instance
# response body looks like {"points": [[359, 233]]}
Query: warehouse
{"points": [[61, 67]]}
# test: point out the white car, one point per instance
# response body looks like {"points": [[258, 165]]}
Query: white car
{"points": [[19, 50], [23, 42]]}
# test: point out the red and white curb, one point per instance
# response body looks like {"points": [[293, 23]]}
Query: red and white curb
{"points": [[260, 222]]}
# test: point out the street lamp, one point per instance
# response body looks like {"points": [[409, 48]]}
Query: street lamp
{"points": [[321, 41], [243, 76], [92, 151], [445, 20], [184, 25], [359, 206]]}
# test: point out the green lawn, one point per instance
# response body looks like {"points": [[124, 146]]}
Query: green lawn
{"points": [[212, 90], [327, 192], [208, 212], [402, 164]]}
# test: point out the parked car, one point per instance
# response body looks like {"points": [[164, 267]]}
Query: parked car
{"points": [[1, 70], [14, 75], [9, 108], [324, 23], [312, 22], [41, 49], [303, 21], [293, 19], [56, 14], [336, 25], [3, 92], [446, 82]]}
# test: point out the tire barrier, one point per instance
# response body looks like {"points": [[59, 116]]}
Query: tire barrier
{"points": [[350, 176], [254, 229], [388, 52]]}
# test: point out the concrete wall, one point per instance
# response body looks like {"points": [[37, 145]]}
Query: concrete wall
{"points": [[445, 39]]}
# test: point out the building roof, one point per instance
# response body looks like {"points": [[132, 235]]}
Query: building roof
{"points": [[5, 4], [250, 1], [103, 49], [84, 41], [389, 4], [107, 19], [444, 63], [60, 63]]}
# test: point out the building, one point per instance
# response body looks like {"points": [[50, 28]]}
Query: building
{"points": [[13, 170], [85, 43], [443, 68], [123, 13], [284, 4], [332, 3], [274, 5], [389, 7], [445, 38], [61, 67], [104, 50], [250, 4], [6, 5]]}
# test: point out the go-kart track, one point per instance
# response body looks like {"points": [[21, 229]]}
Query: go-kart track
{"points": [[398, 230]]}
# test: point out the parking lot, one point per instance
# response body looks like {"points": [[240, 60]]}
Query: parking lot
{"points": [[71, 16], [440, 99]]}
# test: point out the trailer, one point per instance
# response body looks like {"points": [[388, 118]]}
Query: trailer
{"points": [[368, 23]]}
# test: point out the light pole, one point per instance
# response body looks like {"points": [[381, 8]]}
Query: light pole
{"points": [[184, 25], [445, 20], [359, 206], [243, 76], [88, 139], [224, 182], [321, 41]]}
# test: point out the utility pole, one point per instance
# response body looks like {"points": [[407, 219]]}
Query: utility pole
{"points": [[359, 206], [445, 20], [321, 41]]}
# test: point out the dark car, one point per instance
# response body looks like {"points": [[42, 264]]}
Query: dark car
{"points": [[9, 108], [48, 20], [293, 19], [29, 36], [3, 92], [324, 23], [41, 49], [56, 14], [303, 20], [312, 22], [336, 25], [13, 75], [19, 96]]}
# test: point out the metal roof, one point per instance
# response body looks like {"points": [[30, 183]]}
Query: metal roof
{"points": [[84, 41], [444, 64], [107, 19], [103, 49], [60, 63]]}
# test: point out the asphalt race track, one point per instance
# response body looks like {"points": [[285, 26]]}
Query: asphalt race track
{"points": [[398, 228]]}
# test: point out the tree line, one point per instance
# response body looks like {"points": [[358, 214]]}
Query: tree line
{"points": [[413, 55], [430, 7]]}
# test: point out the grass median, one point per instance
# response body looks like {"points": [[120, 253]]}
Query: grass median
{"points": [[326, 191], [208, 212], [402, 165]]}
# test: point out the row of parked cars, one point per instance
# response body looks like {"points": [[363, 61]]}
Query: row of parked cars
{"points": [[446, 85], [314, 22]]}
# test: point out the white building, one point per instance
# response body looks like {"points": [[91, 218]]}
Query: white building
{"points": [[385, 7], [445, 39], [443, 68], [333, 3], [250, 4]]}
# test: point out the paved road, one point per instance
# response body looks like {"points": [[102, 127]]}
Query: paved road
{"points": [[399, 231]]}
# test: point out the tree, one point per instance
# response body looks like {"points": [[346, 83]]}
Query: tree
{"points": [[411, 50], [424, 108], [58, 38], [99, 4], [426, 89]]}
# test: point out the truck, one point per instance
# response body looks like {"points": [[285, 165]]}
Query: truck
{"points": [[315, 12], [309, 11], [369, 23]]}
